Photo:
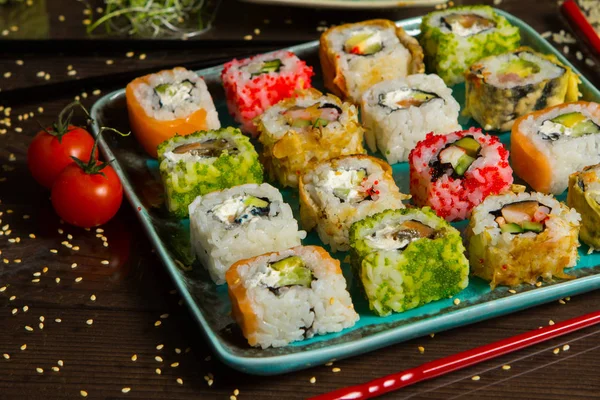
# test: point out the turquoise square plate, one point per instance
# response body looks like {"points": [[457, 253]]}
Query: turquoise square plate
{"points": [[210, 304]]}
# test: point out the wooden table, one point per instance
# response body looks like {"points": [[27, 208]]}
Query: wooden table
{"points": [[104, 329]]}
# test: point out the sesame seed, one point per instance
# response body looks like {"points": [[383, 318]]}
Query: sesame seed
{"points": [[40, 109], [28, 328], [25, 308], [2, 289], [556, 350], [456, 302], [158, 371], [232, 397], [129, 54], [329, 364], [55, 369], [568, 298], [105, 262], [210, 382], [566, 49], [96, 92], [6, 356], [58, 320], [579, 55], [421, 349], [41, 325], [163, 316], [32, 236], [158, 359], [86, 21], [178, 350], [57, 280], [78, 279], [566, 347], [83, 393], [475, 378], [561, 301], [175, 365], [72, 73], [42, 318], [257, 31], [313, 380], [93, 297], [47, 77], [39, 370], [589, 62], [19, 62], [180, 381], [550, 322], [54, 251], [134, 357], [336, 369], [74, 265], [11, 298], [142, 56], [248, 37], [538, 284], [109, 62], [76, 248], [89, 321], [126, 390], [23, 347], [60, 363], [157, 323], [35, 280], [14, 311], [7, 74]]}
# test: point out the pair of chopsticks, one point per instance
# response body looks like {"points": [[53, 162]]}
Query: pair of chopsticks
{"points": [[462, 360], [580, 24]]}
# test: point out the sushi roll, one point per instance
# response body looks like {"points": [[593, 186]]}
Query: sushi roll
{"points": [[407, 258], [455, 38], [203, 162], [399, 113], [241, 222], [549, 145], [278, 298], [500, 89], [338, 192], [453, 173], [356, 56], [306, 129], [584, 196], [518, 238], [254, 84], [167, 103]]}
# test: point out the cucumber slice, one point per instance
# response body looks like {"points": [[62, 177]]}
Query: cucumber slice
{"points": [[470, 145], [533, 227], [320, 123], [301, 123], [292, 272], [162, 88], [463, 164], [511, 228], [341, 193]]}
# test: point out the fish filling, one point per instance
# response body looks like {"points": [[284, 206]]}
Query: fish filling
{"points": [[364, 43], [286, 273], [314, 116], [456, 158], [350, 186], [573, 124], [522, 217], [240, 210], [263, 67], [171, 95], [399, 237], [467, 24], [404, 98], [208, 149]]}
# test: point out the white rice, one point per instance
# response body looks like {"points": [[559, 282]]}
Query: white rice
{"points": [[560, 222], [396, 132], [567, 154], [199, 97], [392, 61], [218, 245], [334, 216], [298, 312]]}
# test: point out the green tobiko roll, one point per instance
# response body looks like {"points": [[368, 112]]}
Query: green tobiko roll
{"points": [[455, 38], [406, 258], [203, 162]]}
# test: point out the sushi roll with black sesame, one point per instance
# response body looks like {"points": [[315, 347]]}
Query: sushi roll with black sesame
{"points": [[457, 37], [502, 88], [241, 222], [399, 113], [204, 162], [518, 238], [356, 56], [453, 173]]}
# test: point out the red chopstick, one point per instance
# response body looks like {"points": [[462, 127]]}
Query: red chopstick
{"points": [[458, 361], [580, 24]]}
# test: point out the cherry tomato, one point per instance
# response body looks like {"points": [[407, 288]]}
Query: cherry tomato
{"points": [[50, 153], [87, 198]]}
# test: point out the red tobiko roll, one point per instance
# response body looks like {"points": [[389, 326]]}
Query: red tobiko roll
{"points": [[454, 173], [254, 84]]}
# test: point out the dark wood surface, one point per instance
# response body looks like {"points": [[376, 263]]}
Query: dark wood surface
{"points": [[133, 291]]}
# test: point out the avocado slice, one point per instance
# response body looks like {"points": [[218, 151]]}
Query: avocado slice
{"points": [[533, 227], [341, 193], [360, 175], [255, 202], [320, 123], [360, 43], [463, 164], [301, 123], [269, 66], [162, 88], [292, 272], [511, 228], [569, 119], [469, 144], [521, 67]]}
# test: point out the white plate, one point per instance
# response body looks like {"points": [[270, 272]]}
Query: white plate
{"points": [[355, 4]]}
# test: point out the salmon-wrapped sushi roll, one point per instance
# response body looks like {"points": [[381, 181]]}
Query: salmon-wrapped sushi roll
{"points": [[356, 56], [290, 295], [549, 145], [518, 238], [167, 103]]}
